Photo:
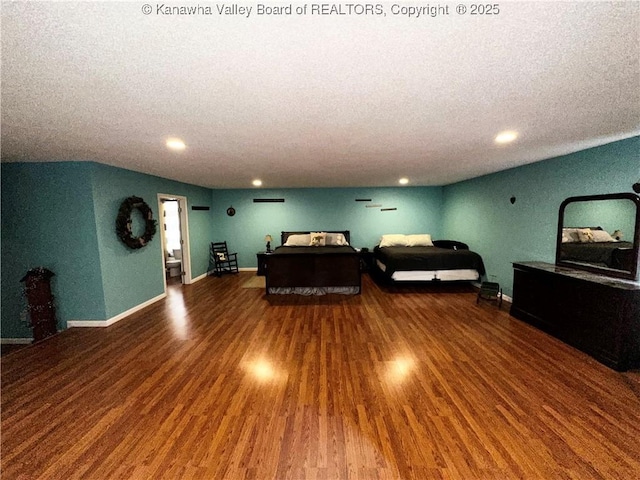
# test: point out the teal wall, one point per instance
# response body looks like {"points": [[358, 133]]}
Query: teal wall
{"points": [[479, 213], [48, 220], [131, 277], [419, 210], [611, 215], [62, 216]]}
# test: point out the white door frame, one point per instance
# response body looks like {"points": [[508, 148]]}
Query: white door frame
{"points": [[184, 236]]}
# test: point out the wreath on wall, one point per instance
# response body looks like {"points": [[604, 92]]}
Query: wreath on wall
{"points": [[123, 223]]}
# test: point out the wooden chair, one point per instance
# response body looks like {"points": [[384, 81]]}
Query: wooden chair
{"points": [[221, 260]]}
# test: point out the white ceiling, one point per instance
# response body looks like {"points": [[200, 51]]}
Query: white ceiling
{"points": [[316, 100]]}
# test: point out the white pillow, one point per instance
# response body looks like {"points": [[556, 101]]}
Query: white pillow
{"points": [[298, 241], [318, 239], [585, 235], [423, 240], [393, 240], [336, 239], [570, 235], [602, 236]]}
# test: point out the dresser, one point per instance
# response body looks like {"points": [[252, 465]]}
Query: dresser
{"points": [[597, 314]]}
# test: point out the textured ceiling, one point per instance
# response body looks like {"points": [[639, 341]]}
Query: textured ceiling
{"points": [[316, 100]]}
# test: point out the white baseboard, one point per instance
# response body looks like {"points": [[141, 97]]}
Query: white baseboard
{"points": [[194, 280], [242, 269], [15, 341], [117, 318]]}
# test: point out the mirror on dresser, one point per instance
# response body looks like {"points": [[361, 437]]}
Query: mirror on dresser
{"points": [[600, 234]]}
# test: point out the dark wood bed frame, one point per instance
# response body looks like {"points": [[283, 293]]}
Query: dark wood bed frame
{"points": [[311, 270]]}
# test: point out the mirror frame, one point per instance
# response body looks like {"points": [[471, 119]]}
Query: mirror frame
{"points": [[611, 272]]}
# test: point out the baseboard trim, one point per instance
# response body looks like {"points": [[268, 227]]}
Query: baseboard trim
{"points": [[117, 318], [212, 273], [197, 279], [16, 341]]}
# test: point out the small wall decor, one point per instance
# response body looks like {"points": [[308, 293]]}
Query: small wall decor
{"points": [[231, 211], [123, 223]]}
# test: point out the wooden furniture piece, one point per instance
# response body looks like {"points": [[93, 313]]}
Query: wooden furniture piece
{"points": [[366, 259], [222, 260], [597, 314], [42, 315], [262, 263], [313, 270], [580, 242]]}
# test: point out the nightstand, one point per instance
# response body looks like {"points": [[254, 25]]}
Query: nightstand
{"points": [[262, 263], [366, 259]]}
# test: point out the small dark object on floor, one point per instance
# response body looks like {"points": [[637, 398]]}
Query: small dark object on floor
{"points": [[490, 291]]}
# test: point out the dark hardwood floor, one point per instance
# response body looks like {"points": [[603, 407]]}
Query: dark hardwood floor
{"points": [[219, 382], [7, 348]]}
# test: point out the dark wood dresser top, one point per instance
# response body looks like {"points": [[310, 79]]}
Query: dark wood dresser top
{"points": [[580, 275]]}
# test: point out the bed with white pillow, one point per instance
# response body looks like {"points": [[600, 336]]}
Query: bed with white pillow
{"points": [[313, 263], [595, 246], [418, 258]]}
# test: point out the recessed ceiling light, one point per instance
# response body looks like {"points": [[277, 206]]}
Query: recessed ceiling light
{"points": [[403, 181], [175, 144], [506, 137], [257, 183]]}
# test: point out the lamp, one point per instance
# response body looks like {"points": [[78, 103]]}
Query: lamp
{"points": [[267, 238]]}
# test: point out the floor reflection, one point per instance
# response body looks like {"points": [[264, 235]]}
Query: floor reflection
{"points": [[263, 370], [177, 311], [399, 370]]}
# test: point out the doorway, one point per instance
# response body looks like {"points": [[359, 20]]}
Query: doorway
{"points": [[175, 239]]}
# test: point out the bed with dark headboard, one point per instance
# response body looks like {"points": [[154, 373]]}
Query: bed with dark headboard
{"points": [[297, 267], [594, 246], [417, 258]]}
